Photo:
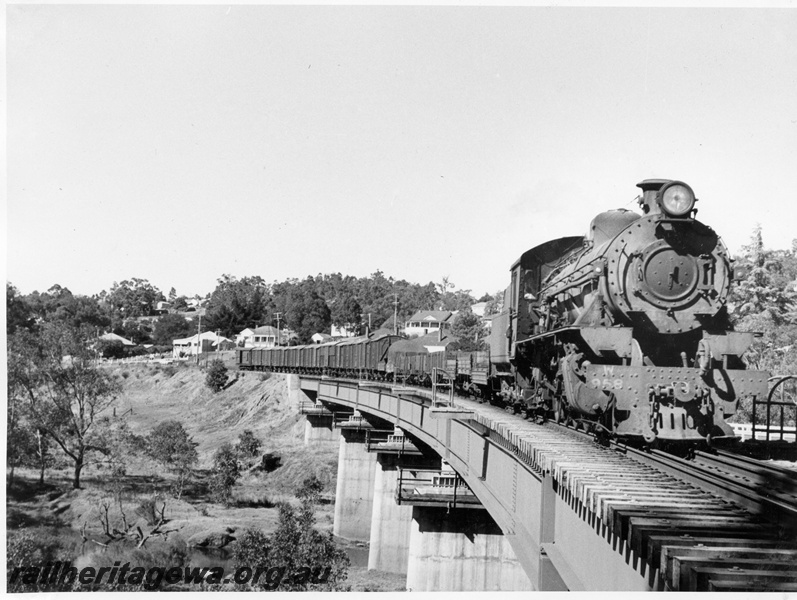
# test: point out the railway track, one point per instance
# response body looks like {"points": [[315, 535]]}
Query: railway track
{"points": [[751, 546], [715, 522]]}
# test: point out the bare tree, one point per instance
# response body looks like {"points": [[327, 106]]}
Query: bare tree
{"points": [[121, 529]]}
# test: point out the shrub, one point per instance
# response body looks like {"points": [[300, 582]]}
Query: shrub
{"points": [[157, 553], [111, 348], [38, 546], [311, 557], [248, 445], [216, 378], [170, 445], [226, 472], [310, 488]]}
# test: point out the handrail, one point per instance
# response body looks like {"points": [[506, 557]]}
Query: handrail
{"points": [[777, 409]]}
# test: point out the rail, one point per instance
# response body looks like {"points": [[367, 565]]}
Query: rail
{"points": [[761, 489]]}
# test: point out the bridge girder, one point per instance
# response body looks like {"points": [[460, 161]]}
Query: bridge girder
{"points": [[556, 547]]}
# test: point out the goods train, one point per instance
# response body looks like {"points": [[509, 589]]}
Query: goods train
{"points": [[624, 330]]}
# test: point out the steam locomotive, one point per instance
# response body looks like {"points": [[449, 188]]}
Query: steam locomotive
{"points": [[624, 330], [628, 326]]}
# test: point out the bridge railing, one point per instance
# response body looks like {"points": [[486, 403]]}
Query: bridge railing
{"points": [[775, 419], [389, 443], [308, 407], [433, 487]]}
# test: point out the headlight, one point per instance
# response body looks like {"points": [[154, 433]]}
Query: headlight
{"points": [[677, 199]]}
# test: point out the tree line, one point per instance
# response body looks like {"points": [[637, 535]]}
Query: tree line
{"points": [[306, 306]]}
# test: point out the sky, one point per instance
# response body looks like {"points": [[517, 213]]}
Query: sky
{"points": [[180, 143]]}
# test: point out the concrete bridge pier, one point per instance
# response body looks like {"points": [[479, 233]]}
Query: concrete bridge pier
{"points": [[390, 522], [354, 494], [295, 393], [461, 550], [318, 430], [318, 427]]}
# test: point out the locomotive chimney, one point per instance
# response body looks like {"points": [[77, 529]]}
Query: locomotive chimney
{"points": [[650, 187]]}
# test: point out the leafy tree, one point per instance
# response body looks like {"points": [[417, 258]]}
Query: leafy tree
{"points": [[133, 298], [444, 285], [252, 551], [26, 444], [64, 392], [20, 437], [110, 348], [138, 332], [469, 331], [764, 294], [304, 310], [225, 474], [248, 445], [170, 445], [18, 313], [763, 300], [216, 378], [456, 300], [236, 304], [495, 304], [347, 312], [171, 327], [180, 303], [59, 305]]}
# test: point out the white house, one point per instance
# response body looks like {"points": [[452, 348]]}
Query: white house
{"points": [[260, 337], [428, 321], [199, 344], [478, 309], [341, 332], [244, 337]]}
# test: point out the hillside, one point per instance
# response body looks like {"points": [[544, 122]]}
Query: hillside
{"points": [[156, 393]]}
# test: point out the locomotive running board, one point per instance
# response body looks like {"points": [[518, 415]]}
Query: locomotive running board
{"points": [[602, 340]]}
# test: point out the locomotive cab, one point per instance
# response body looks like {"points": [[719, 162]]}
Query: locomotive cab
{"points": [[522, 313]]}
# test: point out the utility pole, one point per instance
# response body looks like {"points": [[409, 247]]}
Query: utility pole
{"points": [[198, 335], [279, 340], [395, 313]]}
